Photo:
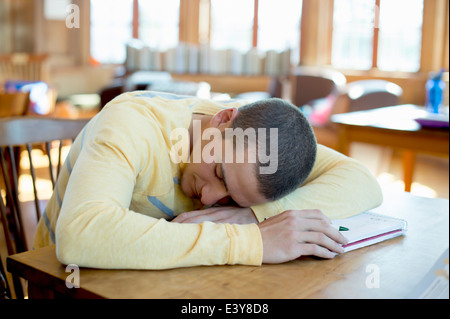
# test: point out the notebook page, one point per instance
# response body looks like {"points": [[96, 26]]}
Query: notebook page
{"points": [[367, 225]]}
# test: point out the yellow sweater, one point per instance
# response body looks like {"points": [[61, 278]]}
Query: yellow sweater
{"points": [[118, 187]]}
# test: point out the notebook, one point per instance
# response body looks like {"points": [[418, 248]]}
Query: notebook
{"points": [[369, 228]]}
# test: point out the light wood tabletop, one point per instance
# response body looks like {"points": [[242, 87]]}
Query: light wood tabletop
{"points": [[398, 264]]}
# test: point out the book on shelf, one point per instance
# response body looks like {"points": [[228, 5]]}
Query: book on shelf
{"points": [[195, 59]]}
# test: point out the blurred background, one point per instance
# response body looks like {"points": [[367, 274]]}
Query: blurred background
{"points": [[76, 55]]}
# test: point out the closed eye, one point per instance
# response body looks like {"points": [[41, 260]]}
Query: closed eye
{"points": [[229, 201], [218, 172]]}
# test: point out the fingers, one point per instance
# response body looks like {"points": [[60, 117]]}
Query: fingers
{"points": [[313, 220], [220, 214], [185, 216], [292, 234], [326, 228], [196, 216], [315, 250], [319, 244]]}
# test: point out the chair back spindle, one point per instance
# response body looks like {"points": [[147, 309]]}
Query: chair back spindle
{"points": [[19, 216]]}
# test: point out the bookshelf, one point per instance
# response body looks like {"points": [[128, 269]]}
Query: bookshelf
{"points": [[202, 59], [226, 83]]}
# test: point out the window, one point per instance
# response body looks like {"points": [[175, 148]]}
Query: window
{"points": [[159, 23], [279, 26], [226, 24], [56, 9], [353, 22], [276, 27], [232, 24], [379, 33], [111, 29], [113, 23], [400, 35]]}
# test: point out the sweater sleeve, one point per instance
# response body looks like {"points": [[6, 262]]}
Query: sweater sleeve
{"points": [[97, 229], [338, 185]]}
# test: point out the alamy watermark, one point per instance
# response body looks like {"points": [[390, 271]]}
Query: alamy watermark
{"points": [[373, 279], [235, 146], [73, 16], [73, 279]]}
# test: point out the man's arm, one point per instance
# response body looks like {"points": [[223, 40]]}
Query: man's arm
{"points": [[338, 186], [297, 224], [285, 236], [97, 229]]}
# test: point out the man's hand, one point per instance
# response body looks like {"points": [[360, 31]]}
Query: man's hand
{"points": [[222, 214], [294, 233]]}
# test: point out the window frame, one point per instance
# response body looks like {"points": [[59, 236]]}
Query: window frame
{"points": [[434, 31], [376, 39]]}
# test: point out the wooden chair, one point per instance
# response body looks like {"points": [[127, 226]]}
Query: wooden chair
{"points": [[23, 67], [312, 83], [4, 290], [14, 104], [356, 96], [19, 218], [274, 89], [28, 68]]}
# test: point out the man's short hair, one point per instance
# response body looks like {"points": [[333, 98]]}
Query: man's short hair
{"points": [[297, 146]]}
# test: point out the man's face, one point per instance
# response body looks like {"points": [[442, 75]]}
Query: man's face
{"points": [[222, 183]]}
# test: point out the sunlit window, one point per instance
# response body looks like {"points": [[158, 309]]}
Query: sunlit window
{"points": [[232, 24], [353, 22], [159, 23], [279, 25], [398, 24], [56, 9], [400, 35], [111, 29]]}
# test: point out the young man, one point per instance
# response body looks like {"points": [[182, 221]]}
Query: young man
{"points": [[131, 192]]}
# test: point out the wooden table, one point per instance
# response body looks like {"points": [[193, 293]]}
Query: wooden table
{"points": [[400, 262], [394, 127]]}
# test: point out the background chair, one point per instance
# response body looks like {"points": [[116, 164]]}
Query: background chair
{"points": [[23, 67], [274, 89], [356, 96], [19, 217], [4, 290], [370, 94], [23, 72], [160, 81], [14, 104], [312, 83]]}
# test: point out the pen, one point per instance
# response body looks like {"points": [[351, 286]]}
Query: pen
{"points": [[341, 228]]}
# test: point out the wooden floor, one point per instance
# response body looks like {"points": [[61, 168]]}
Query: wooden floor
{"points": [[431, 174]]}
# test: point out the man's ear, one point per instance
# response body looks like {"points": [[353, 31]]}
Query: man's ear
{"points": [[226, 116]]}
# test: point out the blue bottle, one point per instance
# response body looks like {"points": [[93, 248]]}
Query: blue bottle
{"points": [[435, 89]]}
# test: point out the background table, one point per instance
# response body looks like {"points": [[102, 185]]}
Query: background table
{"points": [[394, 127], [401, 263]]}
